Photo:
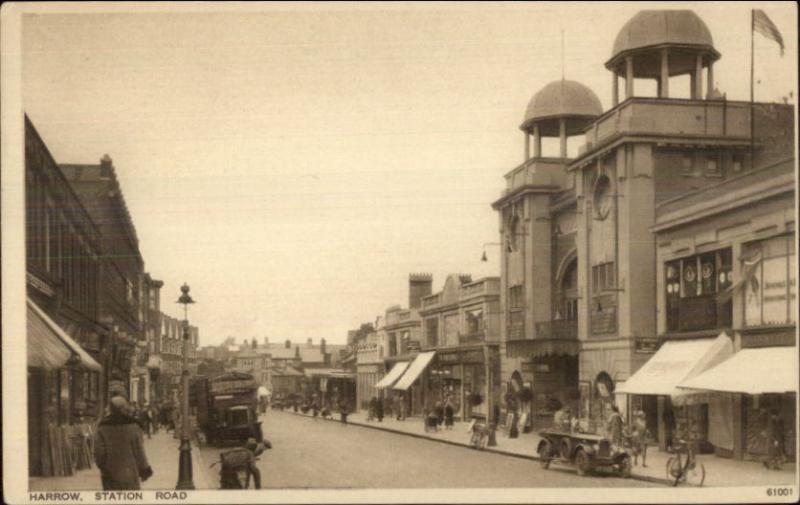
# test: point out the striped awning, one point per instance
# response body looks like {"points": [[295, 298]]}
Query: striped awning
{"points": [[416, 368], [50, 347], [394, 374]]}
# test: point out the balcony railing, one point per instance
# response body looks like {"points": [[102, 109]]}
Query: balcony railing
{"points": [[432, 300], [471, 338], [562, 329]]}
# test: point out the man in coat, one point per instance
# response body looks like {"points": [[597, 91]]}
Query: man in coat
{"points": [[119, 449]]}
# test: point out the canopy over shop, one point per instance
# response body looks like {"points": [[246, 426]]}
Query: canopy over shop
{"points": [[674, 363], [414, 371], [751, 371], [393, 376], [63, 394]]}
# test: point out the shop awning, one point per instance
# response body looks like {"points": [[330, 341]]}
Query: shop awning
{"points": [[675, 362], [394, 374], [415, 369], [751, 371], [50, 347]]}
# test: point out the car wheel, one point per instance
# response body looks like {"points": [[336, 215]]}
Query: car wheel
{"points": [[582, 462], [544, 455], [625, 467]]}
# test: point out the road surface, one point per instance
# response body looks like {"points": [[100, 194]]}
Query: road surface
{"points": [[313, 453]]}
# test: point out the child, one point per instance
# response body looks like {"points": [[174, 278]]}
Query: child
{"points": [[343, 411], [641, 437]]}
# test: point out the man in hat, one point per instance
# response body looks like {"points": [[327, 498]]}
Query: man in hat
{"points": [[119, 449]]}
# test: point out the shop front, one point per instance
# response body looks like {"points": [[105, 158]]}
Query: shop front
{"points": [[756, 383], [462, 376], [63, 398], [410, 388], [368, 376], [681, 412]]}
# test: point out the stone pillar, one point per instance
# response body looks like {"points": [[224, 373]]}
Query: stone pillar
{"points": [[562, 136], [710, 77], [537, 142], [664, 82], [614, 89], [697, 82], [628, 76], [527, 146]]}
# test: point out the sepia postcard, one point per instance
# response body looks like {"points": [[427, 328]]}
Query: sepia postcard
{"points": [[399, 252]]}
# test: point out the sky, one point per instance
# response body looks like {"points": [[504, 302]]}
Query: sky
{"points": [[293, 163]]}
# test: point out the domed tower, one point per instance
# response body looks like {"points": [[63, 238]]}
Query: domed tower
{"points": [[560, 109], [659, 44]]}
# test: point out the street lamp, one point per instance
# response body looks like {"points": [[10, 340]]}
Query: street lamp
{"points": [[483, 257], [185, 480]]}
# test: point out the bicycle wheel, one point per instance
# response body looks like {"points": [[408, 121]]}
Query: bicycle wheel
{"points": [[675, 470], [696, 474]]}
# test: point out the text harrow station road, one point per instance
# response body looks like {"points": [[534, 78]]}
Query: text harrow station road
{"points": [[309, 453]]}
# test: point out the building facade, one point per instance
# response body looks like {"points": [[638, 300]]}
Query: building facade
{"points": [[121, 274], [461, 325], [68, 348]]}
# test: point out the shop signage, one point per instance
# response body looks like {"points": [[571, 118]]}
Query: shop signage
{"points": [[413, 346], [645, 345], [448, 358], [475, 356], [768, 339]]}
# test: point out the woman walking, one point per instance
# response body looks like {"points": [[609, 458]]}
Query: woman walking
{"points": [[449, 411]]}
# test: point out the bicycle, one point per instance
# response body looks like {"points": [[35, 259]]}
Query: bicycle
{"points": [[684, 468]]}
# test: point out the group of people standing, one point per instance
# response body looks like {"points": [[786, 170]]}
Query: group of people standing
{"points": [[442, 413]]}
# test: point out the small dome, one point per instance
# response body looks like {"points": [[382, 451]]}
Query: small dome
{"points": [[659, 27], [567, 99]]}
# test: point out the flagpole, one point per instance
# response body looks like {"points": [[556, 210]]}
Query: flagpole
{"points": [[752, 97]]}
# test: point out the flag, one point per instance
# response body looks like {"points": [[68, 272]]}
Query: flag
{"points": [[764, 25]]}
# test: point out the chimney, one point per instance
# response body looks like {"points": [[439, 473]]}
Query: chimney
{"points": [[297, 351], [288, 343], [105, 166], [322, 346], [465, 278], [310, 342], [419, 286], [266, 341]]}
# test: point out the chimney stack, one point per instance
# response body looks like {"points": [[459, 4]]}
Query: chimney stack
{"points": [[419, 285], [288, 343], [105, 166], [297, 351], [266, 341], [322, 346], [310, 342]]}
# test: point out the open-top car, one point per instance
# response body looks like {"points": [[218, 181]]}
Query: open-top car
{"points": [[583, 450]]}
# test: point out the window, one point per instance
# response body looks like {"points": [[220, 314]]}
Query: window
{"points": [[713, 168], [392, 344], [474, 322], [769, 269], [602, 197], [736, 163], [516, 297], [451, 329], [603, 277], [687, 164], [432, 331], [691, 287]]}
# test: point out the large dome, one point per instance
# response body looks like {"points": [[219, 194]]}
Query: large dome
{"points": [[567, 99], [662, 27]]}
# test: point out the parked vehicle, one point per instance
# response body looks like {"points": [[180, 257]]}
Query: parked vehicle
{"points": [[585, 451], [227, 408]]}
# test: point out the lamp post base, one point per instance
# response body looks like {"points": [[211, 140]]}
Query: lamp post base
{"points": [[185, 466]]}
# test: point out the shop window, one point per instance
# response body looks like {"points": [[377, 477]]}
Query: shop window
{"points": [[769, 269], [691, 285]]}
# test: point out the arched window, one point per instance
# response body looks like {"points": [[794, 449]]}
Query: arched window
{"points": [[567, 308]]}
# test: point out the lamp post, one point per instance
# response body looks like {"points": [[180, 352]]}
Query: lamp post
{"points": [[185, 480], [483, 257]]}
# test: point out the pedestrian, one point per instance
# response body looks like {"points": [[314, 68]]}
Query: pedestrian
{"points": [[448, 414], [379, 409], [641, 437], [614, 426], [343, 412], [775, 441], [668, 419], [438, 411], [145, 421], [119, 449], [401, 407], [372, 409]]}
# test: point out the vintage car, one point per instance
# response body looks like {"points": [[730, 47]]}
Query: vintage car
{"points": [[584, 450]]}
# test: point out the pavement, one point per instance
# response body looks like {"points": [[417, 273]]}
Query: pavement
{"points": [[162, 454], [720, 472]]}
